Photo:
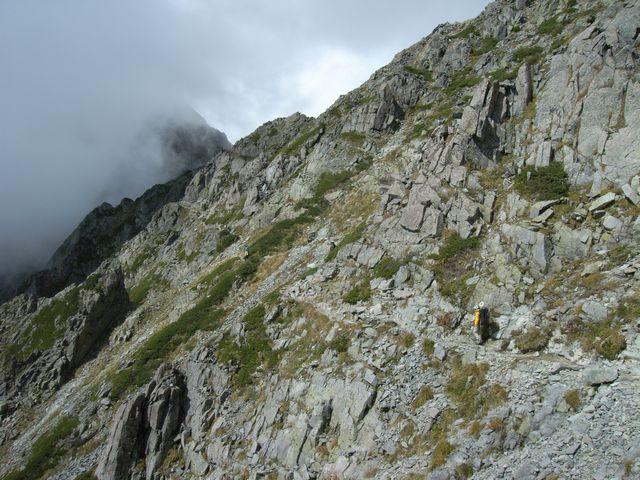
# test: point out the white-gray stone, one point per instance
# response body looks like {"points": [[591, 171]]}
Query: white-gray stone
{"points": [[604, 201], [599, 374]]}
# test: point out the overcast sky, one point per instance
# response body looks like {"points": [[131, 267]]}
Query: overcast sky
{"points": [[81, 79]]}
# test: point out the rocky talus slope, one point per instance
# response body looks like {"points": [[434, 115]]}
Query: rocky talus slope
{"points": [[304, 308]]}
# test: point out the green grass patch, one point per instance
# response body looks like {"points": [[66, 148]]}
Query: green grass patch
{"points": [[451, 267], [387, 267], [441, 453], [46, 452], [602, 338], [182, 254], [339, 344], [139, 292], [355, 138], [467, 32], [252, 352], [204, 316], [86, 476], [464, 78], [466, 387], [503, 74], [281, 233], [486, 45], [545, 183], [425, 73], [364, 163], [225, 241], [295, 146], [454, 246], [47, 326], [550, 26], [364, 100], [530, 55], [532, 340], [225, 217], [360, 293], [353, 236], [327, 182], [308, 272]]}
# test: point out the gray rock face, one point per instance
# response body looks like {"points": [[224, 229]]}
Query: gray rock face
{"points": [[602, 202], [524, 89], [412, 217], [145, 427], [164, 413], [597, 375], [536, 246], [102, 304], [124, 446]]}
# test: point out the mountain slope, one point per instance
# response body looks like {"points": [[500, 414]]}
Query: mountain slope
{"points": [[304, 309]]}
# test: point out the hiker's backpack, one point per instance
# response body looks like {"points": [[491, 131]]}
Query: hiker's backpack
{"points": [[484, 317]]}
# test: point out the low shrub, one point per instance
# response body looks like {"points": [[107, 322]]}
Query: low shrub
{"points": [[441, 453], [550, 26], [340, 343], [466, 32], [203, 316], [530, 55], [425, 73], [451, 270], [139, 292], [387, 268], [360, 293], [544, 183], [602, 338], [572, 397], [487, 44], [225, 241], [503, 74], [294, 146], [428, 347], [532, 340], [355, 138], [454, 246], [461, 79], [423, 396], [464, 471], [252, 351]]}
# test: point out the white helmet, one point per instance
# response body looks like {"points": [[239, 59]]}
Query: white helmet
{"points": [[481, 305]]}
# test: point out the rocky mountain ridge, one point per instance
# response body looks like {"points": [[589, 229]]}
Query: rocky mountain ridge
{"points": [[303, 310]]}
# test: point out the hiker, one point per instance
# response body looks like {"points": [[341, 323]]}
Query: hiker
{"points": [[481, 323]]}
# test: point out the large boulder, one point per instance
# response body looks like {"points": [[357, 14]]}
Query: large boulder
{"points": [[145, 426], [125, 444]]}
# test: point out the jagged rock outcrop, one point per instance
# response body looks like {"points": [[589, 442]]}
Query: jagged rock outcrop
{"points": [[145, 427], [76, 322], [124, 445]]}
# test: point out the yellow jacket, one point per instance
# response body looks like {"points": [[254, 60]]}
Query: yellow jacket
{"points": [[476, 320]]}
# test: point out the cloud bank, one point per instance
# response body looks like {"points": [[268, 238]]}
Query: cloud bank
{"points": [[82, 81]]}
